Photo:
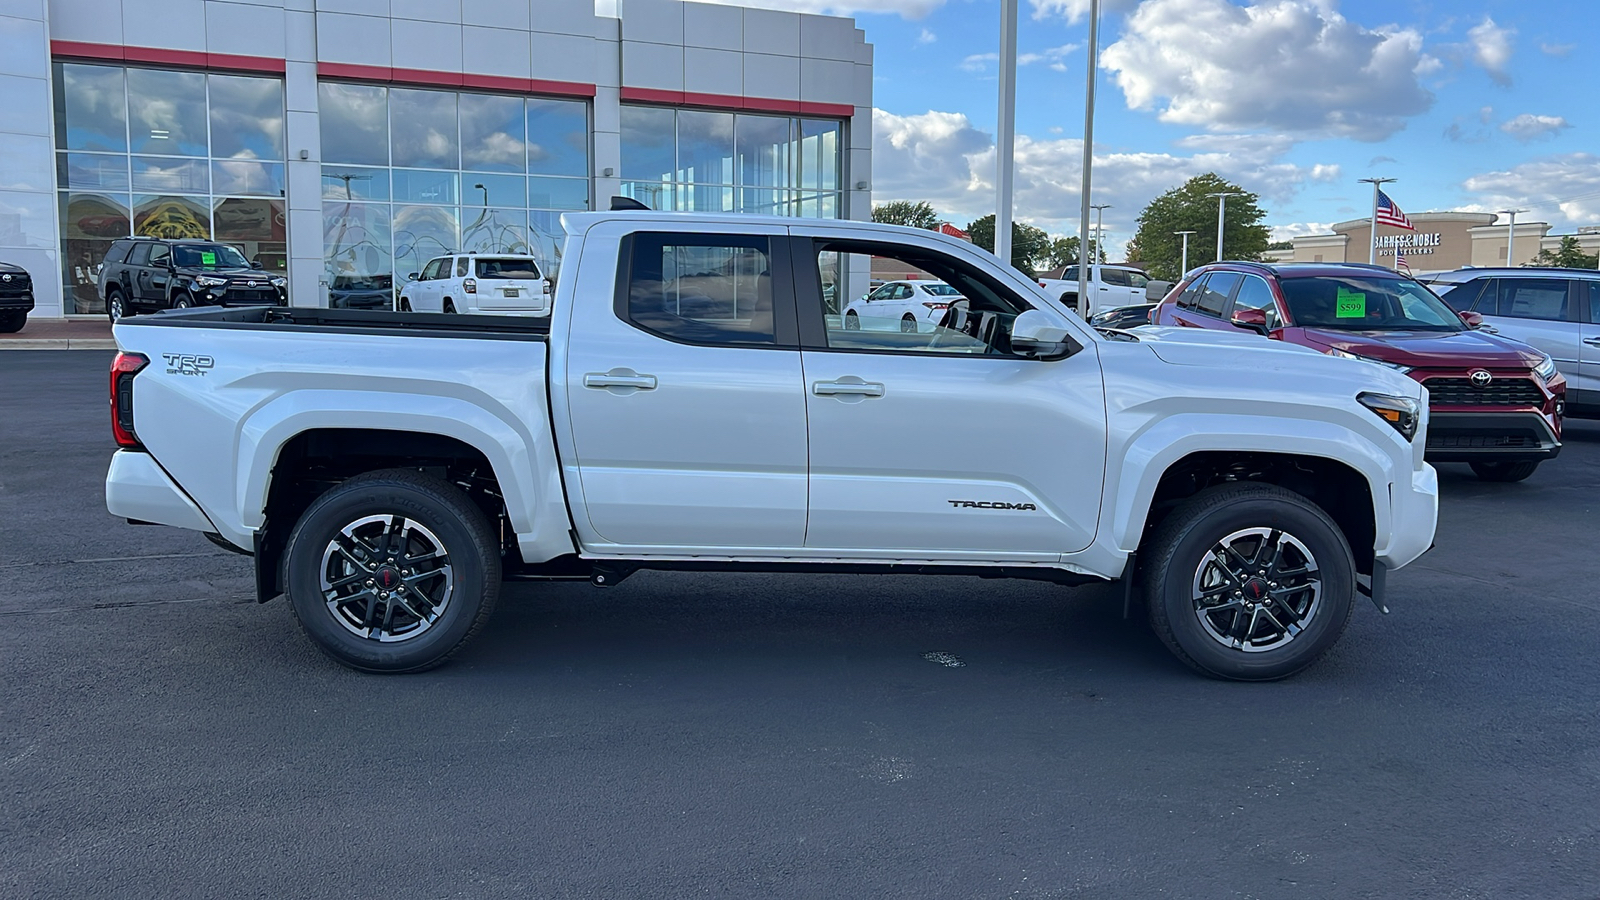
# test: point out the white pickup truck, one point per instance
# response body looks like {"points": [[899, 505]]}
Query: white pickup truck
{"points": [[1110, 287], [693, 404]]}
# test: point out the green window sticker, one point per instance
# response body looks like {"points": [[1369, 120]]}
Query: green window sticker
{"points": [[208, 258], [1350, 305]]}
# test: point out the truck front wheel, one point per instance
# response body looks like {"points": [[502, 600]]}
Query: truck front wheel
{"points": [[392, 571], [1248, 582]]}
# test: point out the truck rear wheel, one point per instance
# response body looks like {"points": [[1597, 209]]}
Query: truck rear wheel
{"points": [[392, 571], [1248, 582], [1504, 471]]}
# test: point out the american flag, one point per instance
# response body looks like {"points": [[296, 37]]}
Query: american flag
{"points": [[1400, 264], [1389, 213]]}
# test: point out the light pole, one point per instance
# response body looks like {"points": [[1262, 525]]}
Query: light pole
{"points": [[1088, 158], [1372, 236], [1511, 233], [1185, 270], [1005, 136], [485, 193], [1222, 212], [1099, 229]]}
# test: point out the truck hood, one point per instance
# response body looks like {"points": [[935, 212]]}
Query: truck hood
{"points": [[1240, 351], [1430, 349]]}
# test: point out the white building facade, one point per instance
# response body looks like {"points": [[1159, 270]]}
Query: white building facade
{"points": [[348, 141]]}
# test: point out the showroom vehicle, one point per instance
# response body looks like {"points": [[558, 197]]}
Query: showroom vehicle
{"points": [[16, 297], [1495, 403], [693, 406], [361, 292], [1556, 311], [491, 284], [1123, 316], [149, 274], [911, 305], [1109, 287]]}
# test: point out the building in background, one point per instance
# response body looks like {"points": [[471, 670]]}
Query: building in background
{"points": [[1442, 242], [347, 142]]}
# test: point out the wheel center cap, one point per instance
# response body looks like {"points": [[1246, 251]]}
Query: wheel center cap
{"points": [[387, 577], [1255, 590]]}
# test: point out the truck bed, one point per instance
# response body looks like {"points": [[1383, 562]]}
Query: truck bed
{"points": [[350, 321]]}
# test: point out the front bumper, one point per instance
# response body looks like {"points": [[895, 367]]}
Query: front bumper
{"points": [[137, 488], [1413, 518], [1496, 436], [22, 302]]}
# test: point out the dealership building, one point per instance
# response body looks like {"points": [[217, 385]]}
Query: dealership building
{"points": [[348, 141], [1441, 242]]}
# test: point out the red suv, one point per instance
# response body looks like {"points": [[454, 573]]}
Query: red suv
{"points": [[1494, 403]]}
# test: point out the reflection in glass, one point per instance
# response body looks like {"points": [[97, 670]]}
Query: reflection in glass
{"points": [[548, 238], [495, 231], [492, 133], [357, 253], [167, 112], [763, 202], [168, 174], [93, 171], [354, 183], [421, 233], [256, 226], [763, 151], [653, 194], [246, 117], [819, 154], [705, 147], [247, 176], [558, 137], [171, 217], [423, 129], [426, 186], [648, 139], [89, 223], [355, 123], [706, 198], [26, 220], [479, 189], [91, 107], [558, 193]]}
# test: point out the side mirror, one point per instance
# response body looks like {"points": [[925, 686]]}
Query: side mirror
{"points": [[1471, 319], [1037, 334], [1251, 320], [411, 276], [256, 264], [1156, 291]]}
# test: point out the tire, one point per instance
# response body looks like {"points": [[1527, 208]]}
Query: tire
{"points": [[405, 305], [1179, 565], [117, 308], [182, 301], [1070, 301], [1504, 471], [908, 324], [368, 631], [12, 321], [450, 307], [852, 322]]}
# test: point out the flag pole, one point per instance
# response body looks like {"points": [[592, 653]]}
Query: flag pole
{"points": [[1372, 236]]}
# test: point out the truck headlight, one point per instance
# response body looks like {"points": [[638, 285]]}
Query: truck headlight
{"points": [[279, 281], [1400, 412], [210, 281], [1344, 355], [1545, 370]]}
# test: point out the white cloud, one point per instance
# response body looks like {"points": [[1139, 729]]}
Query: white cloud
{"points": [[979, 62], [1529, 127], [1327, 173], [906, 9], [1491, 48], [942, 158], [926, 37], [1293, 230], [1074, 10], [1053, 56], [1557, 49], [1285, 65], [1567, 184]]}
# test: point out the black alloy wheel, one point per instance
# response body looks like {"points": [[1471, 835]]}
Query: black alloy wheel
{"points": [[116, 308], [182, 301]]}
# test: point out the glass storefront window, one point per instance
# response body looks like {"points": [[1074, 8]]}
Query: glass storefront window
{"points": [[482, 189], [93, 171], [170, 174], [764, 144], [355, 123], [558, 193], [558, 138], [705, 148], [91, 106], [247, 176], [167, 112], [495, 231], [427, 186], [89, 223], [423, 129], [354, 183], [649, 143], [257, 226], [246, 117], [358, 251], [493, 133], [421, 233]]}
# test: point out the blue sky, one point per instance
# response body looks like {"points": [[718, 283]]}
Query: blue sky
{"points": [[1472, 104]]}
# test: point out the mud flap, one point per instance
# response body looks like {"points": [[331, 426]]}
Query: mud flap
{"points": [[1378, 585]]}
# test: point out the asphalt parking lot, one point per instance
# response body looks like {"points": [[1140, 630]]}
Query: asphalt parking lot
{"points": [[773, 736]]}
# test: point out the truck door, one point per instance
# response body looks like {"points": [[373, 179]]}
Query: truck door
{"points": [[942, 441], [684, 394]]}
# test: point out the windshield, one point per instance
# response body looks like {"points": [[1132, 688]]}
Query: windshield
{"points": [[941, 290], [507, 268], [208, 256], [1358, 303]]}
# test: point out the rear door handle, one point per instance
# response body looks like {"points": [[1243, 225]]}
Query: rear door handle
{"points": [[1593, 342], [619, 378], [855, 388]]}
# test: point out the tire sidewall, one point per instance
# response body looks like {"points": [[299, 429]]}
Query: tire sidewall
{"points": [[303, 561], [1334, 563]]}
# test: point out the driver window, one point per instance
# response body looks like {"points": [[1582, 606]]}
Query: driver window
{"points": [[1255, 294], [159, 254], [960, 311]]}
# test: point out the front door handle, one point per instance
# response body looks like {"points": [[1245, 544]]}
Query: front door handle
{"points": [[854, 388], [626, 380], [1593, 342]]}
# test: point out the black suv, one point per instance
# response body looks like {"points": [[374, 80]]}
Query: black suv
{"points": [[16, 297], [147, 274]]}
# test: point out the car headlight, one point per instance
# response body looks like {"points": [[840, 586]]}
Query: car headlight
{"points": [[1545, 370], [1343, 355], [1400, 412], [210, 281], [279, 281]]}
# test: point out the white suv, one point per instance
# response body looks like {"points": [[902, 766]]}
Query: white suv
{"points": [[489, 284]]}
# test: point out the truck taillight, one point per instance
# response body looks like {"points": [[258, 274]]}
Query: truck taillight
{"points": [[470, 285], [123, 368]]}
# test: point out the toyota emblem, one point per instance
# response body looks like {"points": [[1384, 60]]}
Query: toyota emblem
{"points": [[1481, 378], [5, 277], [258, 284]]}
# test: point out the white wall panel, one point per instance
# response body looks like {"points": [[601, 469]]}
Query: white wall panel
{"points": [[713, 71], [827, 37], [562, 17], [245, 29], [447, 11], [360, 40], [827, 81], [656, 21], [496, 51], [509, 14], [771, 76], [657, 66], [768, 31], [563, 57], [426, 45], [713, 25], [90, 21]]}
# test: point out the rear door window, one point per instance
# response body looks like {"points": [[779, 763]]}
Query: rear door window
{"points": [[1114, 277], [702, 289], [1215, 297], [461, 266], [140, 255], [1532, 298], [1255, 293], [1191, 294]]}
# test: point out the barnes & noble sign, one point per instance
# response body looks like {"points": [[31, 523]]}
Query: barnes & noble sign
{"points": [[1414, 244]]}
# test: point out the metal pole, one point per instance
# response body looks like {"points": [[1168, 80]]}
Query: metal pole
{"points": [[1222, 211], [1372, 236], [1099, 230], [1006, 132], [1088, 157], [1511, 234], [1185, 270]]}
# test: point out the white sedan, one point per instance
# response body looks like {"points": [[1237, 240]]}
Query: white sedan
{"points": [[909, 306]]}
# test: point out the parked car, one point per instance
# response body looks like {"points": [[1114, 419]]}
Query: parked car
{"points": [[492, 284], [149, 274], [361, 292], [1123, 316], [909, 306], [16, 297], [1255, 484], [1494, 403], [1557, 311], [1110, 286]]}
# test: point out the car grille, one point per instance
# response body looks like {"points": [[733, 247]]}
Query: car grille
{"points": [[250, 295], [1500, 392], [16, 287], [1468, 441]]}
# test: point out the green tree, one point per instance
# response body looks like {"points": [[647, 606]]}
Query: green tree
{"points": [[919, 214], [1187, 208], [1567, 256], [1029, 245], [1281, 245], [1064, 252]]}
